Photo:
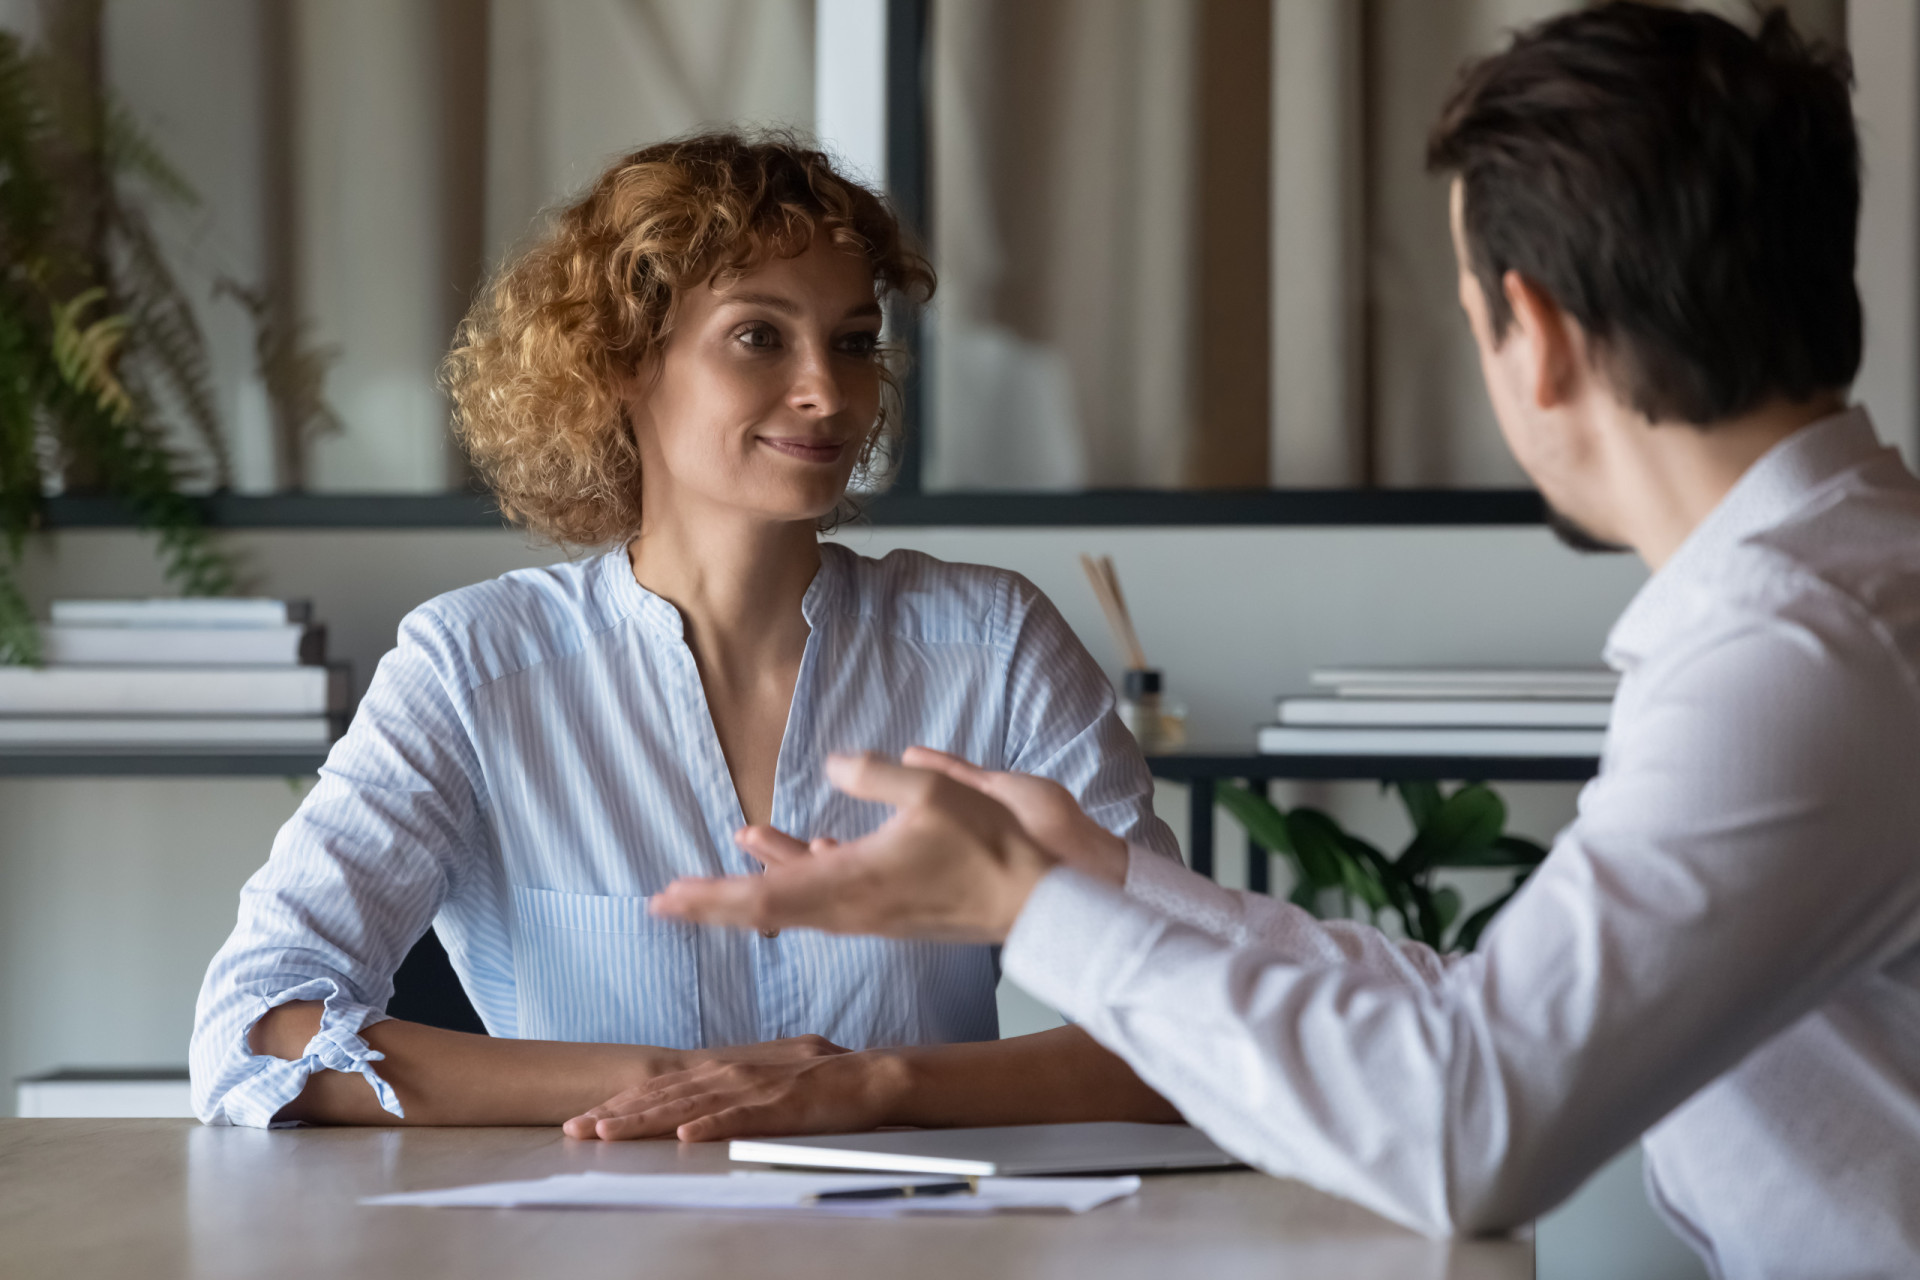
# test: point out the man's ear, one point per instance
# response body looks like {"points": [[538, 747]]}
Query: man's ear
{"points": [[1550, 340]]}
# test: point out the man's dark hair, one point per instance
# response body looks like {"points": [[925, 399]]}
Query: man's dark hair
{"points": [[1688, 192]]}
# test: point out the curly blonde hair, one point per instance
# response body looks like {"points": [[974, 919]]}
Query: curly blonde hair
{"points": [[538, 366]]}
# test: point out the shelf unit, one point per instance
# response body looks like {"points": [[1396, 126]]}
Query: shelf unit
{"points": [[1203, 769]]}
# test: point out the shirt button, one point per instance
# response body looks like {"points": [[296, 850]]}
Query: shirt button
{"points": [[769, 933]]}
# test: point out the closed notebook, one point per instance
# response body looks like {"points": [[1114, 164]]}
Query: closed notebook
{"points": [[999, 1151], [267, 691]]}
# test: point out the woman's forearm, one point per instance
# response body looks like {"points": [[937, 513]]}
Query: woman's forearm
{"points": [[454, 1078], [1050, 1077]]}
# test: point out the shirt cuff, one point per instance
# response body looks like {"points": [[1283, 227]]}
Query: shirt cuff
{"points": [[269, 1083], [1075, 938]]}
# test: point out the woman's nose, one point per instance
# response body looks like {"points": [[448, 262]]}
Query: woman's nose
{"points": [[815, 389]]}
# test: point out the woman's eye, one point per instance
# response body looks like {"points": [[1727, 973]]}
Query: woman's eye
{"points": [[860, 344], [761, 337]]}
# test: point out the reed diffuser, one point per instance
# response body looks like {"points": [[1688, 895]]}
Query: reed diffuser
{"points": [[1156, 724]]}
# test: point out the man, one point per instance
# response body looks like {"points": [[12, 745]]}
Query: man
{"points": [[1654, 215]]}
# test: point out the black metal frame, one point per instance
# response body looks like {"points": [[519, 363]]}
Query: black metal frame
{"points": [[1204, 770], [1093, 507]]}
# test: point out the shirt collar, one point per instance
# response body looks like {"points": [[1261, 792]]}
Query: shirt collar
{"points": [[824, 594], [1770, 490]]}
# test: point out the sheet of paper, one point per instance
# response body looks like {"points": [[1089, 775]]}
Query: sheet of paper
{"points": [[769, 1192]]}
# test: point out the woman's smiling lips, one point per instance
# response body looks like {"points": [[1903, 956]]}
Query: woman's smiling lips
{"points": [[821, 451]]}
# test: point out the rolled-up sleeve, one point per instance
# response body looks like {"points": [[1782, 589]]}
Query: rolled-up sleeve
{"points": [[1061, 722], [353, 881]]}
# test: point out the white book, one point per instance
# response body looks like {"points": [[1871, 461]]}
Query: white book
{"points": [[54, 733], [191, 611], [1292, 740], [1467, 682], [180, 691], [1450, 713], [288, 645]]}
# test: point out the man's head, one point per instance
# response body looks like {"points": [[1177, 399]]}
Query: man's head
{"points": [[1661, 208]]}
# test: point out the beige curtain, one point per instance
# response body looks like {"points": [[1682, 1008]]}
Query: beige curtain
{"points": [[573, 83], [1062, 228], [1107, 317]]}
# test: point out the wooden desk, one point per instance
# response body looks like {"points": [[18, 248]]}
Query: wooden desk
{"points": [[155, 1199]]}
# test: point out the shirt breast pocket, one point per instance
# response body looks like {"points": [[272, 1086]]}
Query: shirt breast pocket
{"points": [[597, 968]]}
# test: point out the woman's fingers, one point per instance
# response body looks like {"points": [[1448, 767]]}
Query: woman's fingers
{"points": [[657, 1121], [730, 1122]]}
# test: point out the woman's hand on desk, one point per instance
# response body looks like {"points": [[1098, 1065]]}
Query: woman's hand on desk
{"points": [[803, 1086]]}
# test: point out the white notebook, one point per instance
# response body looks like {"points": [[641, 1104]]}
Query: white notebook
{"points": [[1004, 1151]]}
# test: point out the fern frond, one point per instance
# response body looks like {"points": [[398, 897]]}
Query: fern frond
{"points": [[129, 149], [165, 338], [19, 636], [293, 368], [85, 356]]}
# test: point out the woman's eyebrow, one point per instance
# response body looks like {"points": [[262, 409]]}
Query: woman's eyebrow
{"points": [[787, 307], [771, 301]]}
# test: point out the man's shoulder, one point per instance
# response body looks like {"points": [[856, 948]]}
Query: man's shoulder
{"points": [[1851, 558]]}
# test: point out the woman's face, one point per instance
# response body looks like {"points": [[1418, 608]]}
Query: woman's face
{"points": [[766, 390]]}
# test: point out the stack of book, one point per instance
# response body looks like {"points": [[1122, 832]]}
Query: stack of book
{"points": [[176, 675], [1446, 711]]}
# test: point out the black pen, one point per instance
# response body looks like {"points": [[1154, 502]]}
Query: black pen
{"points": [[965, 1187]]}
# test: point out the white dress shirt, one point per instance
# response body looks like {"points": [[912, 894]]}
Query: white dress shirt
{"points": [[1722, 952], [536, 757]]}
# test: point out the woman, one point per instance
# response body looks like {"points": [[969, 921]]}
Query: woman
{"points": [[688, 367]]}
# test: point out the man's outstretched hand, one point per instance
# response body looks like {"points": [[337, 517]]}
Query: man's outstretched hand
{"points": [[953, 864], [1046, 810]]}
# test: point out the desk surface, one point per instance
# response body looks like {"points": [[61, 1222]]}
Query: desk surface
{"points": [[167, 1198]]}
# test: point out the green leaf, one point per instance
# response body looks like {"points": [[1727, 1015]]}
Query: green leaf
{"points": [[1422, 799], [1320, 846], [1264, 823], [1511, 851], [1460, 831], [1446, 907], [19, 637]]}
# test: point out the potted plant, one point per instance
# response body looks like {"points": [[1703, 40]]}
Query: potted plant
{"points": [[1336, 873], [105, 382]]}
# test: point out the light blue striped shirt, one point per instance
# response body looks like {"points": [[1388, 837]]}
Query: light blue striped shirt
{"points": [[536, 758]]}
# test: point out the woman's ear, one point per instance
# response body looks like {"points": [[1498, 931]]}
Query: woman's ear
{"points": [[1550, 341]]}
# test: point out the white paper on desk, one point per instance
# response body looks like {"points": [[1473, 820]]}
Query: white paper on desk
{"points": [[769, 1192]]}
